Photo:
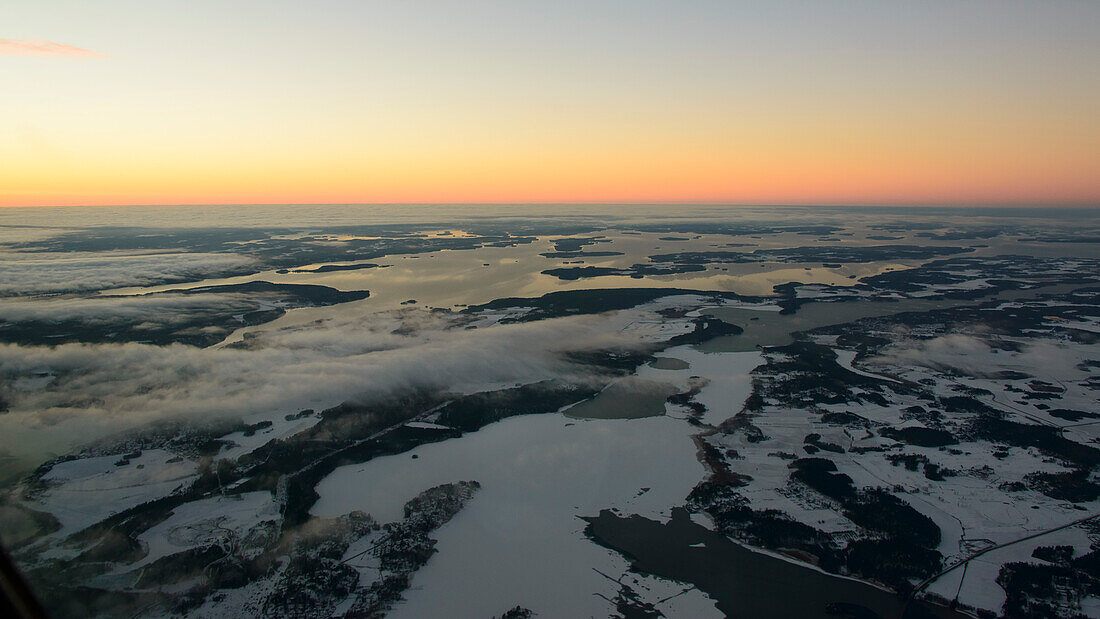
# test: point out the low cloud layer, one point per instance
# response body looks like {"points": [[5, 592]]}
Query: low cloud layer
{"points": [[159, 309], [970, 355], [105, 388], [34, 273], [951, 352], [38, 47]]}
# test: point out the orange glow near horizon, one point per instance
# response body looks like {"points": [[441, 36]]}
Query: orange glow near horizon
{"points": [[743, 171]]}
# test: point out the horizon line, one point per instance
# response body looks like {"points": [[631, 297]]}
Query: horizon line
{"points": [[991, 205]]}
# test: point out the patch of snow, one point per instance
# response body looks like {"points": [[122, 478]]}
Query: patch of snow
{"points": [[91, 489], [221, 519], [845, 358], [425, 425]]}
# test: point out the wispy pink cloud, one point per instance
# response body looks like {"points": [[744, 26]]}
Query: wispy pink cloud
{"points": [[38, 47]]}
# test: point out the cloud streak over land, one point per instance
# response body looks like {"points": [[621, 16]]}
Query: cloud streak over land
{"points": [[38, 273], [103, 388], [38, 47]]}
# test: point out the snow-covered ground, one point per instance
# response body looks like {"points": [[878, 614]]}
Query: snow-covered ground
{"points": [[728, 375], [85, 491], [219, 519], [519, 540]]}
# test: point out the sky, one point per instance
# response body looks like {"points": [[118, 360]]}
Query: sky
{"points": [[331, 101]]}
